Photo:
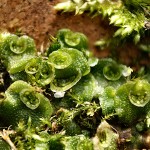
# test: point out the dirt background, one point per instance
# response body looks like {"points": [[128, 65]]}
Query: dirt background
{"points": [[38, 19]]}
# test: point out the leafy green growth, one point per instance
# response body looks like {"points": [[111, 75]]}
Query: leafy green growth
{"points": [[131, 102], [39, 71], [106, 137], [71, 61], [16, 51], [107, 100], [23, 101], [79, 91], [66, 119], [129, 20], [68, 39], [107, 73], [78, 142], [67, 99], [29, 137]]}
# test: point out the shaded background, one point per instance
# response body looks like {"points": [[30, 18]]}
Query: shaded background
{"points": [[38, 19]]}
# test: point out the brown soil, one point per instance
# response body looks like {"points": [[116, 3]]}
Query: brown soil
{"points": [[38, 19]]}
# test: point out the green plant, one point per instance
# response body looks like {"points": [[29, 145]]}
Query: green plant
{"points": [[67, 99], [130, 17]]}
